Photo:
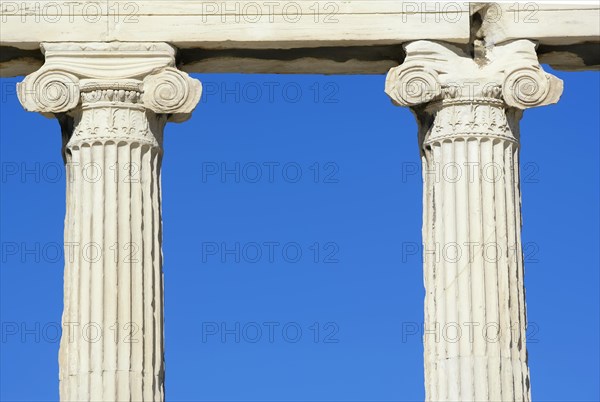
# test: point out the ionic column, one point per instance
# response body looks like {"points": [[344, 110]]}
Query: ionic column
{"points": [[468, 113], [112, 101]]}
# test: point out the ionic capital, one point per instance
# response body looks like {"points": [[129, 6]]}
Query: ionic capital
{"points": [[509, 73], [76, 74]]}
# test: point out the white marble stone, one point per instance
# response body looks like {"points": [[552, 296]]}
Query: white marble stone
{"points": [[468, 112], [309, 37], [113, 101], [110, 79]]}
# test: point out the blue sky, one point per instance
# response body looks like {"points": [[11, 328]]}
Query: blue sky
{"points": [[329, 169]]}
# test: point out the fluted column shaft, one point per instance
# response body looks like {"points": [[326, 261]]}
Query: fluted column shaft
{"points": [[474, 303], [113, 101], [113, 287], [468, 113]]}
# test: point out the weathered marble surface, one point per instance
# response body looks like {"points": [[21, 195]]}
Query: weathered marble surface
{"points": [[318, 37], [468, 71], [113, 101], [468, 111]]}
